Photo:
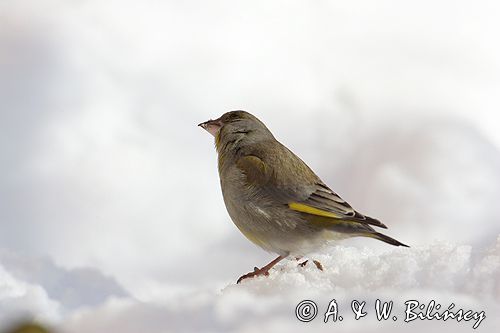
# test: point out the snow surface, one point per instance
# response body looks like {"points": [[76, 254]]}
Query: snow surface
{"points": [[442, 272]]}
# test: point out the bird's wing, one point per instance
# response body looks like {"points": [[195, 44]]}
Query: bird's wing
{"points": [[303, 192], [326, 203], [255, 170]]}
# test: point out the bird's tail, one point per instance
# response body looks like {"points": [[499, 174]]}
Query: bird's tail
{"points": [[353, 228], [384, 238]]}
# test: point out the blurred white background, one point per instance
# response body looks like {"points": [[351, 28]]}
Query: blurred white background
{"points": [[109, 194]]}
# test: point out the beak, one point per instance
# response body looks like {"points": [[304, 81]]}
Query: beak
{"points": [[211, 126]]}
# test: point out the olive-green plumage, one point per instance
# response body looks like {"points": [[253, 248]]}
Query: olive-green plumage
{"points": [[273, 197]]}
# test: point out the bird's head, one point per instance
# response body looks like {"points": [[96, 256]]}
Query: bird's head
{"points": [[236, 128]]}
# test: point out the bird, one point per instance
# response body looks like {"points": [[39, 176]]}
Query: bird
{"points": [[275, 199]]}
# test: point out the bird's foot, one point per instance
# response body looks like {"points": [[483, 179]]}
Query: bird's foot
{"points": [[303, 264], [261, 271], [318, 265], [256, 272]]}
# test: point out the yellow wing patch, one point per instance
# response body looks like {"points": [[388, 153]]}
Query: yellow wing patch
{"points": [[311, 210]]}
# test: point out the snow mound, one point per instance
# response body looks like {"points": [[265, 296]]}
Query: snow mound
{"points": [[443, 272]]}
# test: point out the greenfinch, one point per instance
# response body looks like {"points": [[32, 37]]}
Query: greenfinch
{"points": [[274, 198]]}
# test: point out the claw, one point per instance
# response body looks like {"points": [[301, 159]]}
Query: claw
{"points": [[318, 265], [260, 271], [303, 264], [256, 272], [241, 278]]}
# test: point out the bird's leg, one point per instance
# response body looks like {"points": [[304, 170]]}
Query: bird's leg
{"points": [[261, 271]]}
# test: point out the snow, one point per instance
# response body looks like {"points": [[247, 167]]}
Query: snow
{"points": [[19, 299], [442, 272]]}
